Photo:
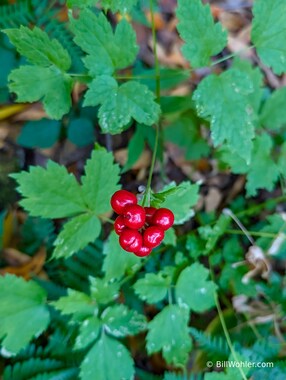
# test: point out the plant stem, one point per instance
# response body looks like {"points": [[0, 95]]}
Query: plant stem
{"points": [[158, 95], [225, 330]]}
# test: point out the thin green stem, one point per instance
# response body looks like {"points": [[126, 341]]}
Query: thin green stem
{"points": [[152, 166], [158, 95], [252, 233], [232, 55], [225, 330]]}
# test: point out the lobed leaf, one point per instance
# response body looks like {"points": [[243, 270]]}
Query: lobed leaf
{"points": [[21, 302], [119, 104], [193, 290], [204, 38]]}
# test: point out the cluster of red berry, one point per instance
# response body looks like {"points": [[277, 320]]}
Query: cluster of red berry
{"points": [[139, 228]]}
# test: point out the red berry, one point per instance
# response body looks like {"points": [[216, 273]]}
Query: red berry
{"points": [[130, 240], [143, 251], [134, 216], [163, 218], [122, 198], [119, 224], [153, 236], [150, 211]]}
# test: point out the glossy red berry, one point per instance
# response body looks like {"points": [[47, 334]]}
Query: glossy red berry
{"points": [[119, 224], [150, 211], [143, 251], [122, 198], [130, 240], [163, 218], [134, 216], [153, 236]]}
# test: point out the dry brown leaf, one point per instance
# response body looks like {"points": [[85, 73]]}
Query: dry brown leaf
{"points": [[29, 269]]}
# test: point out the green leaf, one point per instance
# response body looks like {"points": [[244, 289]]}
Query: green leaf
{"points": [[49, 84], [77, 304], [102, 290], [81, 132], [256, 77], [262, 173], [38, 48], [80, 3], [233, 372], [118, 262], [203, 37], [108, 359], [273, 114], [168, 332], [107, 51], [142, 135], [225, 100], [120, 321], [268, 33], [170, 237], [153, 287], [39, 134], [88, 332], [122, 6], [185, 133], [193, 290], [119, 104], [23, 313], [50, 192], [100, 180], [212, 234], [76, 235], [181, 201]]}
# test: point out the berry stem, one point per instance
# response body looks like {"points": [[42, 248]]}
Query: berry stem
{"points": [[158, 96]]}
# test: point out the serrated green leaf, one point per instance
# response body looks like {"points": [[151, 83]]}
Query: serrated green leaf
{"points": [[122, 6], [119, 104], [38, 48], [203, 37], [108, 359], [77, 304], [194, 290], [224, 99], [100, 181], [76, 235], [262, 173], [256, 77], [268, 33], [23, 312], [50, 192], [81, 132], [48, 84], [107, 51], [102, 290], [118, 262], [39, 134], [152, 288], [88, 332], [273, 112], [120, 321], [168, 332], [181, 201]]}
